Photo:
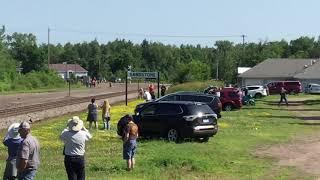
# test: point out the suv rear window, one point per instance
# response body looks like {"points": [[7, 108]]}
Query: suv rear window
{"points": [[292, 83], [169, 98], [195, 109], [253, 88], [233, 94]]}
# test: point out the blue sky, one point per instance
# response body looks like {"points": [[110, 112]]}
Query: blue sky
{"points": [[135, 20]]}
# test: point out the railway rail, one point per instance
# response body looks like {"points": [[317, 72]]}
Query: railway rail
{"points": [[8, 112]]}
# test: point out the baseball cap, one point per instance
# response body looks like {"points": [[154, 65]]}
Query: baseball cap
{"points": [[24, 125]]}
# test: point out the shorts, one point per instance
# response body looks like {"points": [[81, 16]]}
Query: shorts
{"points": [[129, 149], [92, 117]]}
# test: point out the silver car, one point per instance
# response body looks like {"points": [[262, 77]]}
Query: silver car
{"points": [[313, 89]]}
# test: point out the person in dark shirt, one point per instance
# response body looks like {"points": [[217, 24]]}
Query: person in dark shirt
{"points": [[283, 96], [130, 143], [93, 114], [163, 89], [12, 140]]}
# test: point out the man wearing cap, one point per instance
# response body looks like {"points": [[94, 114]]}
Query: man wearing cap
{"points": [[12, 140], [28, 155], [74, 138]]}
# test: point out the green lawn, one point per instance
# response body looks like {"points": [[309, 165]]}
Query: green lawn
{"points": [[229, 155]]}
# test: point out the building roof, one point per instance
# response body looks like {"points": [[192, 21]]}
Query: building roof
{"points": [[310, 72], [279, 68], [67, 67]]}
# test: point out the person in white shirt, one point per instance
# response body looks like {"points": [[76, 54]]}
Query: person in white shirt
{"points": [[147, 96], [74, 138]]}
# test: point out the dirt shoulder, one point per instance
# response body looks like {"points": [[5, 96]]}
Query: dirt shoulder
{"points": [[302, 152]]}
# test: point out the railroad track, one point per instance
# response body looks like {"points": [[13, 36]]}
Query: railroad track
{"points": [[8, 112]]}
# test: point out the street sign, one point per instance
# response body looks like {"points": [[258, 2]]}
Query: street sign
{"points": [[149, 75]]}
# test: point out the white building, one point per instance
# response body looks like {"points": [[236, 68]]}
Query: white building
{"points": [[65, 70]]}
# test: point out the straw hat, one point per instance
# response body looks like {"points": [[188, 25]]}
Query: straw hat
{"points": [[75, 124], [13, 131]]}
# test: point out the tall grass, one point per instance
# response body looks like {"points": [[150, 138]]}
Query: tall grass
{"points": [[34, 81], [229, 155], [195, 86]]}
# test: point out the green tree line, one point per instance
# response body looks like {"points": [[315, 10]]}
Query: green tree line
{"points": [[176, 64]]}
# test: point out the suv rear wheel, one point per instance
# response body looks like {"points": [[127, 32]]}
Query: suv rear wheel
{"points": [[258, 96], [228, 107], [173, 135]]}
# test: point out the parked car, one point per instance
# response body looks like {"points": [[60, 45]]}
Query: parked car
{"points": [[313, 88], [231, 98], [257, 91], [211, 100], [176, 120], [292, 87]]}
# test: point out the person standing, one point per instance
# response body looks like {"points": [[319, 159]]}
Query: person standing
{"points": [[106, 114], [151, 91], [28, 154], [140, 93], [163, 89], [130, 143], [74, 138], [12, 140], [93, 114], [147, 96], [283, 96]]}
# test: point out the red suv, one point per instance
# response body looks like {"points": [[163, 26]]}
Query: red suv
{"points": [[292, 87], [231, 98]]}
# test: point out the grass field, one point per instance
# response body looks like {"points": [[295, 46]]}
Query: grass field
{"points": [[229, 155]]}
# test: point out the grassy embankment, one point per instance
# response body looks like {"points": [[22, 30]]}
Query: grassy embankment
{"points": [[229, 155], [34, 82]]}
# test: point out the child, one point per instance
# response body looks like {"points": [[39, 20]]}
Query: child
{"points": [[106, 114]]}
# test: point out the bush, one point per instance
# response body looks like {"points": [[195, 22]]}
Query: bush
{"points": [[38, 80], [195, 86]]}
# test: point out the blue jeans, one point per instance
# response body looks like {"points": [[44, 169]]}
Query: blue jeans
{"points": [[27, 174], [106, 122], [129, 149]]}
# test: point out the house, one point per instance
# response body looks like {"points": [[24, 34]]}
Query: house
{"points": [[65, 70], [240, 71], [303, 70]]}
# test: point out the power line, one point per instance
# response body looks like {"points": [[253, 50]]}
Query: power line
{"points": [[147, 35]]}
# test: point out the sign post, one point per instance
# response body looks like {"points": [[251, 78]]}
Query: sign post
{"points": [[148, 75], [127, 89], [158, 85]]}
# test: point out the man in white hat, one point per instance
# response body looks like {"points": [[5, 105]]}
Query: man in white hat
{"points": [[28, 155], [12, 140], [74, 138]]}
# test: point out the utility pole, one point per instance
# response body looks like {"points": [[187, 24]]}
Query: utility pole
{"points": [[243, 36], [48, 47], [217, 69]]}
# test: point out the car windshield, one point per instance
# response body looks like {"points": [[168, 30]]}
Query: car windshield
{"points": [[203, 108]]}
